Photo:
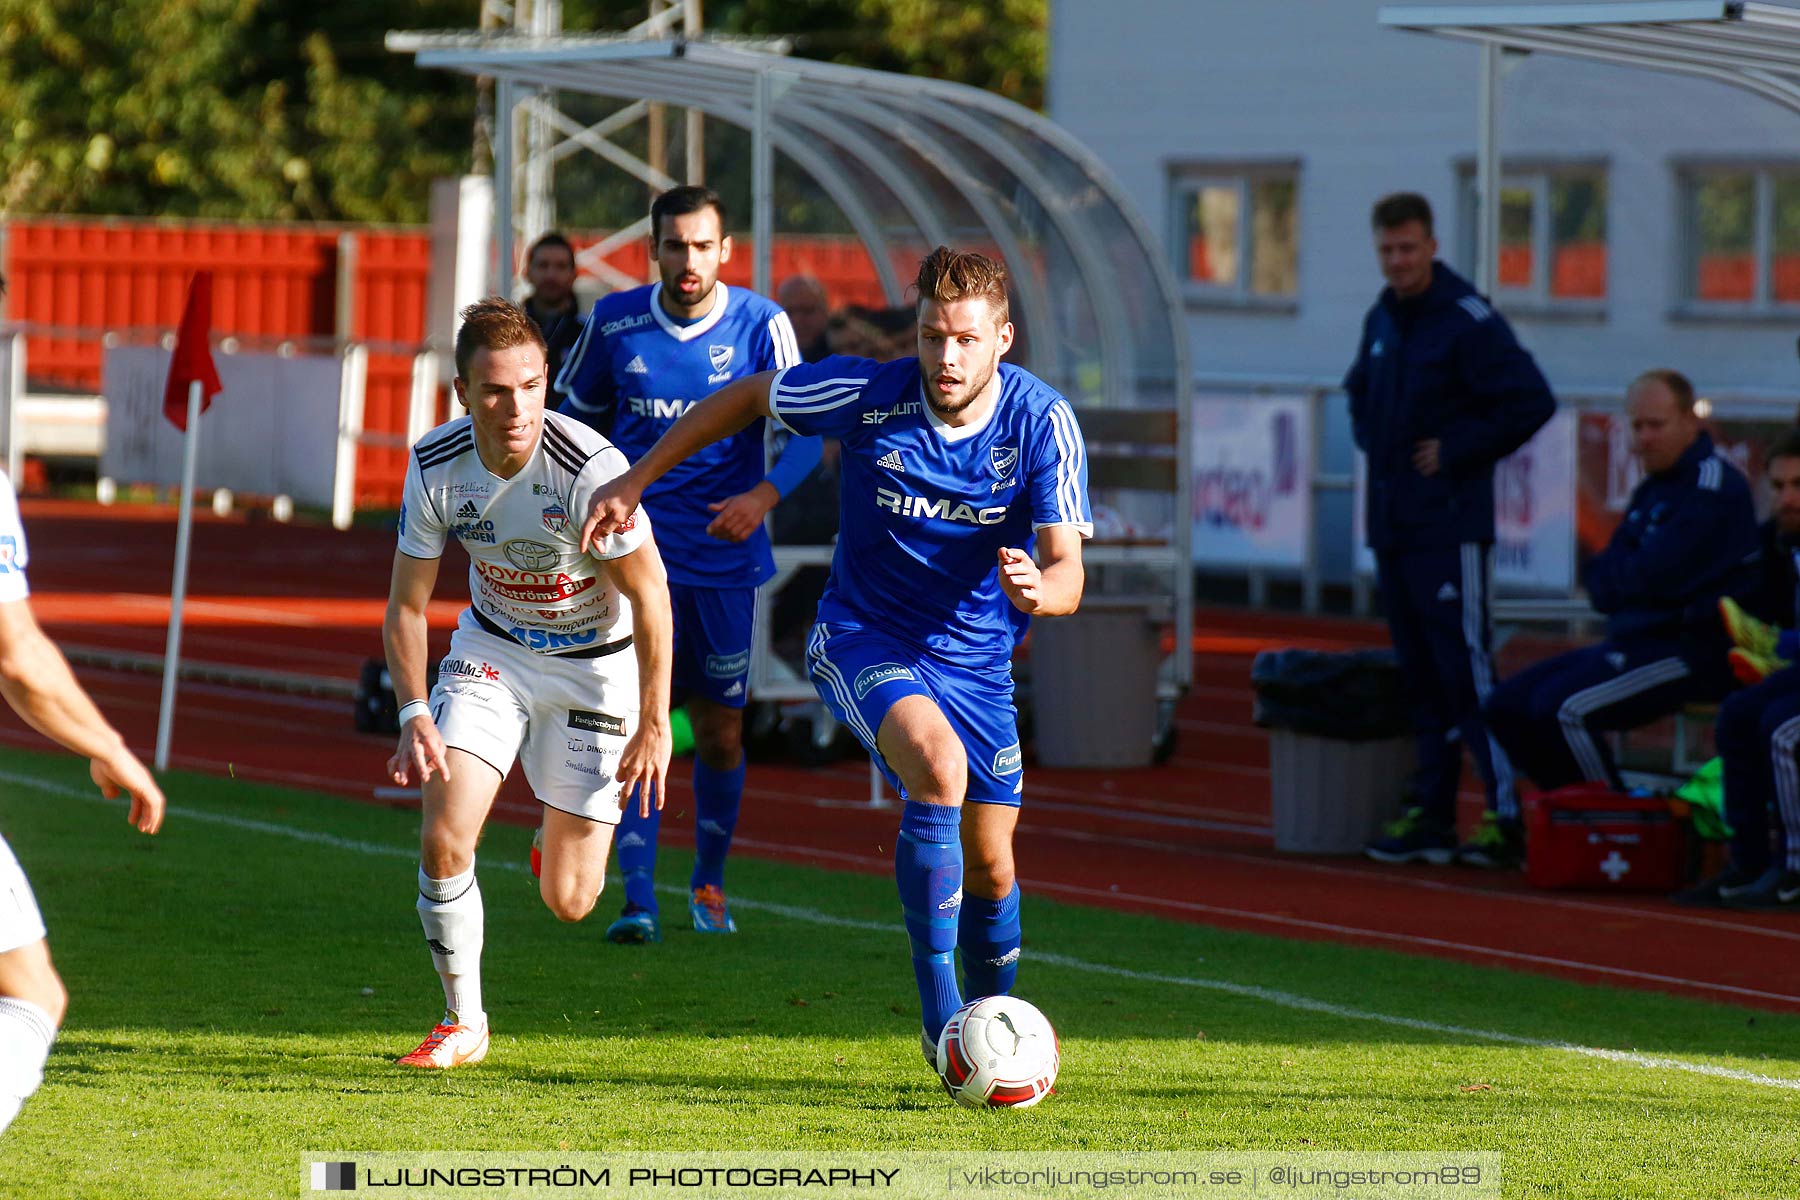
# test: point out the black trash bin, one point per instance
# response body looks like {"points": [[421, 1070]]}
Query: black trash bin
{"points": [[1340, 745]]}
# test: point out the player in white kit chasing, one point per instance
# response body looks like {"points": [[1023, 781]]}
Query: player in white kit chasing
{"points": [[561, 659]]}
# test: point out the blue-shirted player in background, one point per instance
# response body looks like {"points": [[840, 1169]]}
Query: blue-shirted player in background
{"points": [[644, 358], [953, 466]]}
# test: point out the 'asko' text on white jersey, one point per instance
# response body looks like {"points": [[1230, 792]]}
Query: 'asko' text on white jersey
{"points": [[925, 506], [640, 368], [12, 546], [528, 577]]}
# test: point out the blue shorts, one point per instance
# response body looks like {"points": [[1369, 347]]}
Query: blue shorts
{"points": [[712, 642], [860, 674]]}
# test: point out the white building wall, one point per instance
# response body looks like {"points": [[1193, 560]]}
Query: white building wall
{"points": [[1367, 110]]}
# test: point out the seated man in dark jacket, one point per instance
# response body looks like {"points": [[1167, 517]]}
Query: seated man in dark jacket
{"points": [[1689, 537], [1758, 730]]}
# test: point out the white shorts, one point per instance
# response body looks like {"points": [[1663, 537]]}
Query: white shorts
{"points": [[566, 719], [20, 921]]}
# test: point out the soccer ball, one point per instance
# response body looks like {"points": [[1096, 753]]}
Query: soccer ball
{"points": [[998, 1052]]}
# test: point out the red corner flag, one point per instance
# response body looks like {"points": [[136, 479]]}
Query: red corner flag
{"points": [[193, 354]]}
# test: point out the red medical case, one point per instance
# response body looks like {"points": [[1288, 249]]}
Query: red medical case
{"points": [[1589, 836]]}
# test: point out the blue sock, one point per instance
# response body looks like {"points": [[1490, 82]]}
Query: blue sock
{"points": [[636, 840], [928, 864], [989, 938], [717, 795]]}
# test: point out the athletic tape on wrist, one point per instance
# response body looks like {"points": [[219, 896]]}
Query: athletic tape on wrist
{"points": [[413, 708]]}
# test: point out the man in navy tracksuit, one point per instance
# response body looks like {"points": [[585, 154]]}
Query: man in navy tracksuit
{"points": [[1440, 392], [1689, 537], [1758, 730]]}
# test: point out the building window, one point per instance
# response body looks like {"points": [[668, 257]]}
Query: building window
{"points": [[1552, 236], [1236, 232], [1741, 226]]}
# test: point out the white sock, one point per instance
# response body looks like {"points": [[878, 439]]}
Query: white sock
{"points": [[26, 1032], [451, 912]]}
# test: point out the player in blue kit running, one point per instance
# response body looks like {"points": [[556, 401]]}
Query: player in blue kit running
{"points": [[645, 357], [954, 467]]}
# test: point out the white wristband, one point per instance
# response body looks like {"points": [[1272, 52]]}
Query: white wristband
{"points": [[411, 709]]}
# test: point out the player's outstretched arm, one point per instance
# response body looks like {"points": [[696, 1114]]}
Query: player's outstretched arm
{"points": [[403, 636], [720, 415], [37, 683], [741, 515], [1051, 588], [644, 764]]}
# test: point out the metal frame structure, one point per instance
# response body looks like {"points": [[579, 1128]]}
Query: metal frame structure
{"points": [[548, 135], [1749, 45], [911, 162]]}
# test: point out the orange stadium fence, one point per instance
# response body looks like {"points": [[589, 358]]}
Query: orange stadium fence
{"points": [[79, 285]]}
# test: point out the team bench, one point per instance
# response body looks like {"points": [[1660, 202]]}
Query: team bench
{"points": [[1678, 760]]}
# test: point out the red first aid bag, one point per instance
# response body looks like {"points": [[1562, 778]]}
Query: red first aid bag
{"points": [[1589, 836]]}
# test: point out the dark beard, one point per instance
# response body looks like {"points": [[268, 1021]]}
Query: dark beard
{"points": [[943, 409], [700, 301]]}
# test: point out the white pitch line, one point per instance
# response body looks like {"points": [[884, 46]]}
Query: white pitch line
{"points": [[1080, 893], [816, 917]]}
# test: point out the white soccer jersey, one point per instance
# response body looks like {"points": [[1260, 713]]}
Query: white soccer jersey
{"points": [[12, 546], [528, 577], [21, 923]]}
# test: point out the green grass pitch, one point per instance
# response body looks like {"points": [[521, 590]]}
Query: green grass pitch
{"points": [[242, 983]]}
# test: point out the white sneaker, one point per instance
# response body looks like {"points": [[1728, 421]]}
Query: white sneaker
{"points": [[449, 1046]]}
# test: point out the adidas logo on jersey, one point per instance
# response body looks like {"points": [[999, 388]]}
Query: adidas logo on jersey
{"points": [[891, 460], [636, 366], [1447, 592], [736, 689], [468, 512]]}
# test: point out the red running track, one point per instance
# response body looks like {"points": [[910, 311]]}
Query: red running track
{"points": [[1189, 840]]}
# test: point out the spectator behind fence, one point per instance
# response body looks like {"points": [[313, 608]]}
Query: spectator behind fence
{"points": [[1440, 392], [1689, 536], [550, 270], [1758, 730], [883, 334], [808, 307]]}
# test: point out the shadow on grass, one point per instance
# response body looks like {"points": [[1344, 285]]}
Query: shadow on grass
{"points": [[210, 928]]}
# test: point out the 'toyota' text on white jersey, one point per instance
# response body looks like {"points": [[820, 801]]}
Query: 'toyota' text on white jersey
{"points": [[925, 506], [527, 573]]}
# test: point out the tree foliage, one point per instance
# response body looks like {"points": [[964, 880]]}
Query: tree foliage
{"points": [[263, 109], [1001, 46], [294, 109]]}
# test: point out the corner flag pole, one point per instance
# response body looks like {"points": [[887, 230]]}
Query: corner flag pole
{"points": [[191, 369], [184, 527]]}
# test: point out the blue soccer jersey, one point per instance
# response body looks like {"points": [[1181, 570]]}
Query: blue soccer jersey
{"points": [[926, 506], [638, 363]]}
